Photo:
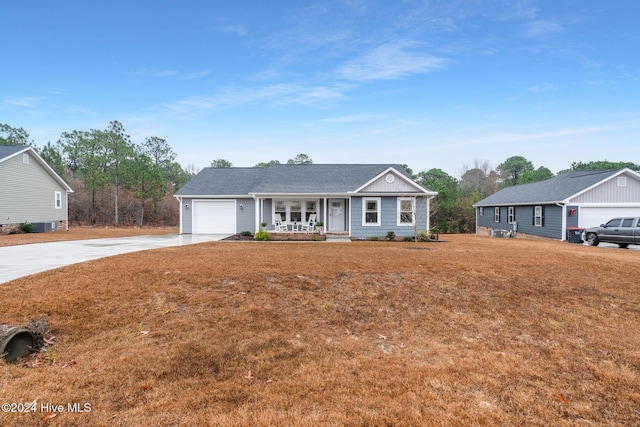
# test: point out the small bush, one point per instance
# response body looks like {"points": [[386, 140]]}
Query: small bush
{"points": [[26, 227], [374, 238], [245, 233], [261, 236], [390, 235], [424, 236], [408, 238]]}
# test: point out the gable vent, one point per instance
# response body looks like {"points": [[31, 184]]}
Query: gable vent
{"points": [[622, 181]]}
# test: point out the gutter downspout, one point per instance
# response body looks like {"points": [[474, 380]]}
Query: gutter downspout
{"points": [[476, 209], [180, 211], [564, 220], [67, 215]]}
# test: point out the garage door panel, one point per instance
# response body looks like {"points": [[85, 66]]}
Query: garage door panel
{"points": [[214, 216], [594, 216]]}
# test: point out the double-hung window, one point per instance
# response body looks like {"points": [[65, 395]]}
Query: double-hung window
{"points": [[58, 200], [406, 211], [280, 209], [311, 209], [496, 214], [296, 211], [512, 214], [371, 211], [538, 216]]}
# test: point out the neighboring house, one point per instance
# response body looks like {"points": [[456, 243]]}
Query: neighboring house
{"points": [[576, 199], [360, 200], [30, 191]]}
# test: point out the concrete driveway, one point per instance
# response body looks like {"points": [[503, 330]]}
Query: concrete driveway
{"points": [[23, 260]]}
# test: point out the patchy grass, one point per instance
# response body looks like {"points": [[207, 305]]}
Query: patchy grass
{"points": [[473, 331]]}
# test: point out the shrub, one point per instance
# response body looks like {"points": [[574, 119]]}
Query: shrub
{"points": [[26, 227], [374, 238], [261, 236], [424, 236], [390, 235], [245, 233], [408, 238]]}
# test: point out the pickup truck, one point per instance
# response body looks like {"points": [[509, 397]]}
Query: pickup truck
{"points": [[623, 231]]}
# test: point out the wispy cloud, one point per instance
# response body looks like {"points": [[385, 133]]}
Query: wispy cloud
{"points": [[543, 87], [236, 30], [275, 95], [23, 101], [390, 61], [353, 118], [542, 28], [522, 137], [159, 73]]}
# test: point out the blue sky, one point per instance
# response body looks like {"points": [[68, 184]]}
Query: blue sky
{"points": [[432, 84]]}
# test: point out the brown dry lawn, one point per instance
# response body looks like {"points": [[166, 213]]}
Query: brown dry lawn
{"points": [[471, 331]]}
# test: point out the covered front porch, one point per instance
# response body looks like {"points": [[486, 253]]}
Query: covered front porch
{"points": [[301, 214]]}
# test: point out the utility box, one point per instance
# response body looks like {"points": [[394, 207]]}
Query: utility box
{"points": [[574, 234], [43, 227]]}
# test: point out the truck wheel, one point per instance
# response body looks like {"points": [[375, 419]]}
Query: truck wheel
{"points": [[592, 239], [623, 245]]}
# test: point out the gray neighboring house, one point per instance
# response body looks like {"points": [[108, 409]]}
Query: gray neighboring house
{"points": [[30, 191], [360, 200], [576, 199]]}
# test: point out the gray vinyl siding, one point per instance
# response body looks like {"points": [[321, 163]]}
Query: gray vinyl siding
{"points": [[609, 192], [486, 220], [245, 217], [187, 216], [388, 218], [27, 193], [572, 221], [552, 220]]}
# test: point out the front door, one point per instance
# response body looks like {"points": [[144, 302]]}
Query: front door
{"points": [[336, 215]]}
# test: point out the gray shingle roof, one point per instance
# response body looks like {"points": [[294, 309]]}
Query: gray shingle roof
{"points": [[551, 190], [294, 179], [8, 150]]}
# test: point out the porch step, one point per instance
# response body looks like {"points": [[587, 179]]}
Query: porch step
{"points": [[338, 238]]}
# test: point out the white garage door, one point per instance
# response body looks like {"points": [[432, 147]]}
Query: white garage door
{"points": [[214, 216], [592, 217]]}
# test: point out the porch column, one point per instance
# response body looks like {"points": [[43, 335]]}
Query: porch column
{"points": [[429, 213], [257, 214], [324, 215]]}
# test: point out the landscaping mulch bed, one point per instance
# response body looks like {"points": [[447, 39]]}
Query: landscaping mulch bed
{"points": [[281, 237]]}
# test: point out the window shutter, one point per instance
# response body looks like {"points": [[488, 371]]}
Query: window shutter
{"points": [[542, 219], [533, 217]]}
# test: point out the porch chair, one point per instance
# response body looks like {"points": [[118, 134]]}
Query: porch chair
{"points": [[278, 225], [309, 225]]}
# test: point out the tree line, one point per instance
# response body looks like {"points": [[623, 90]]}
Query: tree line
{"points": [[115, 181], [118, 182], [452, 210]]}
